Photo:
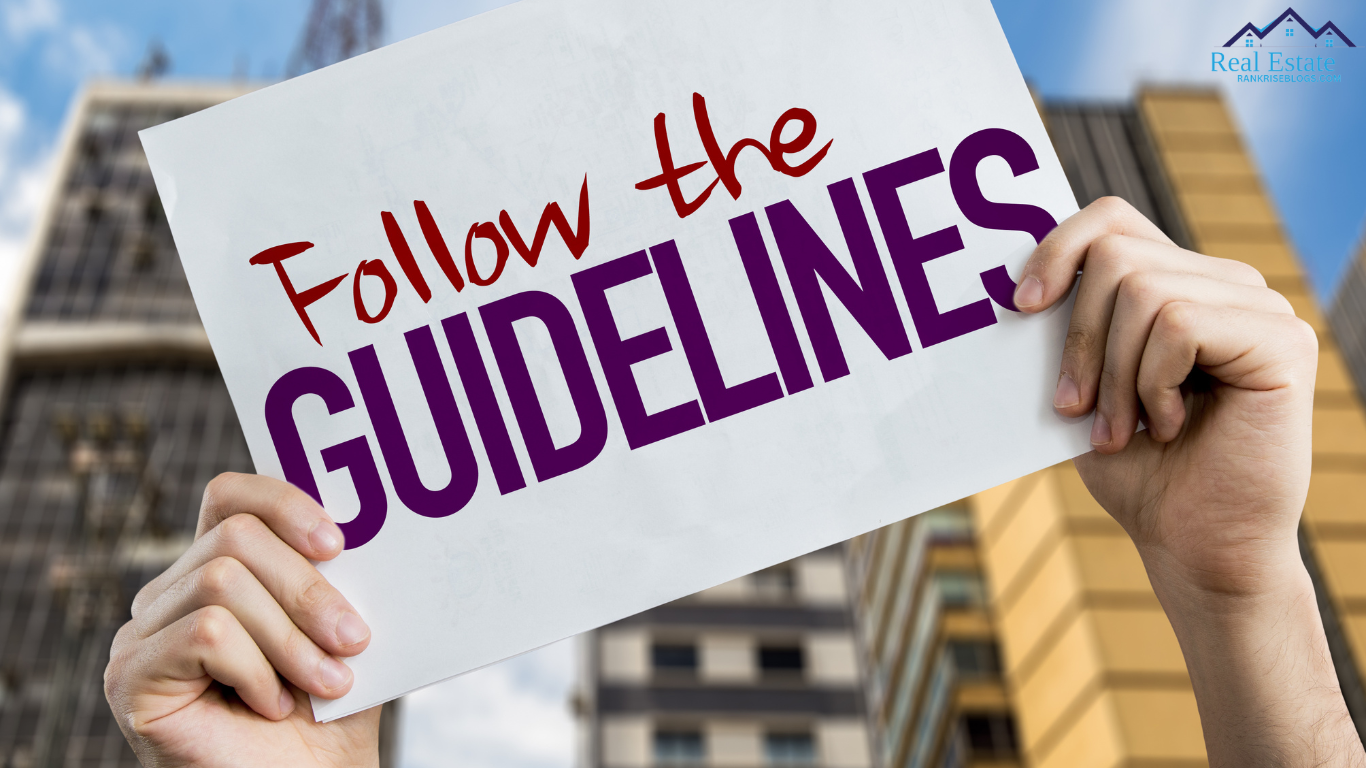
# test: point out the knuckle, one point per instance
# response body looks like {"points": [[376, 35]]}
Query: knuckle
{"points": [[1303, 336], [1247, 273], [212, 627], [241, 529], [316, 596], [1140, 289], [1109, 381], [126, 634], [1081, 342], [1176, 319], [1282, 304], [1113, 205], [297, 645], [217, 491], [221, 577], [115, 680], [143, 598], [1108, 249]]}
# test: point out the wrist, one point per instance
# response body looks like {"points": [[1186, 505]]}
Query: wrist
{"points": [[1226, 574]]}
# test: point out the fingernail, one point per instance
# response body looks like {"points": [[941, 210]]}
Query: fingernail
{"points": [[1029, 293], [333, 673], [1100, 430], [351, 629], [324, 536], [286, 702], [1067, 395]]}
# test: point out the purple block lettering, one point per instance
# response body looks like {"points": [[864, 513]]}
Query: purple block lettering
{"points": [[769, 296], [398, 455], [719, 400], [483, 403], [1007, 216], [617, 355], [869, 300], [354, 453], [546, 460], [967, 193], [910, 253]]}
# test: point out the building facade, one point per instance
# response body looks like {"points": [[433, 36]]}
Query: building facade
{"points": [[115, 418], [760, 671], [928, 646]]}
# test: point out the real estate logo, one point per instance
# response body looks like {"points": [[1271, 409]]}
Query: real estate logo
{"points": [[1248, 58]]}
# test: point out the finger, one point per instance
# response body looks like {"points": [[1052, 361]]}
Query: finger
{"points": [[1111, 259], [1138, 302], [314, 605], [1051, 270], [227, 583], [166, 672], [294, 516], [1253, 351]]}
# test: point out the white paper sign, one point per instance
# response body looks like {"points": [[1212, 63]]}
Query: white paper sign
{"points": [[756, 321]]}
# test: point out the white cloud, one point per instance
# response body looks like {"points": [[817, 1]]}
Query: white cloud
{"points": [[68, 50], [24, 181], [511, 715], [25, 17]]}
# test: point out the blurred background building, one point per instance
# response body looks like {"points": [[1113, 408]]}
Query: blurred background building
{"points": [[115, 416], [758, 671]]}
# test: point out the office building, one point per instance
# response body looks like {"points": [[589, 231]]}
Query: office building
{"points": [[115, 418], [758, 671]]}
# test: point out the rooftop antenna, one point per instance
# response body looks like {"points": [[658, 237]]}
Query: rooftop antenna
{"points": [[337, 30], [155, 63]]}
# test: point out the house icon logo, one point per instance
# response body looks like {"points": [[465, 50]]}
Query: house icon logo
{"points": [[1289, 30]]}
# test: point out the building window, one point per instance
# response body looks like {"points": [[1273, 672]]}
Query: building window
{"points": [[948, 525], [975, 658], [789, 749], [778, 583], [679, 747], [778, 662], [1248, 42], [960, 589], [1289, 32], [674, 658], [1329, 42], [990, 736]]}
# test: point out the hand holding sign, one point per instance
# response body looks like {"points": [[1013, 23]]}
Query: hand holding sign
{"points": [[1222, 372], [193, 677]]}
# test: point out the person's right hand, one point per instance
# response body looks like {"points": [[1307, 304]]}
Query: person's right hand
{"points": [[194, 678]]}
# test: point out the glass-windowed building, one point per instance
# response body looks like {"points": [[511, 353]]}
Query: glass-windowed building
{"points": [[114, 418]]}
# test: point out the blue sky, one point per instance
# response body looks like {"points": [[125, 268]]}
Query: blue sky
{"points": [[1302, 137], [1307, 141]]}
